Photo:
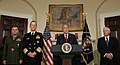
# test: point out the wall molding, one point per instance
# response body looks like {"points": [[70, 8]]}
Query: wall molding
{"points": [[21, 15], [96, 17], [104, 15], [34, 10]]}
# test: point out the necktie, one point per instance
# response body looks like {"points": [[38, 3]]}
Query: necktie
{"points": [[32, 33], [66, 38], [107, 41]]}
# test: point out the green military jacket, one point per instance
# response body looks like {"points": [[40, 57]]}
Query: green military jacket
{"points": [[12, 51]]}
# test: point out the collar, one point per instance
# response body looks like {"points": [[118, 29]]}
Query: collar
{"points": [[65, 35], [107, 37], [33, 32]]}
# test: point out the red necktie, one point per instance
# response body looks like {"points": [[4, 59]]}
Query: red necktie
{"points": [[66, 38]]}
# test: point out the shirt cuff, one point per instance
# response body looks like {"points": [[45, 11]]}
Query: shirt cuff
{"points": [[105, 55]]}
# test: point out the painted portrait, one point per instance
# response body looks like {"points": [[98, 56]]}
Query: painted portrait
{"points": [[66, 14]]}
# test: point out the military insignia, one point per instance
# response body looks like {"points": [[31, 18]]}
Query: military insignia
{"points": [[25, 50], [39, 49], [37, 37], [27, 38], [37, 41], [30, 44], [29, 47], [18, 45], [18, 39], [12, 49]]}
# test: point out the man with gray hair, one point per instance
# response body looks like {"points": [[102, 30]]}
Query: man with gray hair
{"points": [[107, 47]]}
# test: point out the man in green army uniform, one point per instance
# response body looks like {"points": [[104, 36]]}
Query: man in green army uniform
{"points": [[12, 51], [32, 46]]}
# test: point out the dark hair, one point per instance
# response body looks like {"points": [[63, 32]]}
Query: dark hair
{"points": [[14, 26], [32, 22]]}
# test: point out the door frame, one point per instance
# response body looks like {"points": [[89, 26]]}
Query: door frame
{"points": [[21, 15], [102, 20]]}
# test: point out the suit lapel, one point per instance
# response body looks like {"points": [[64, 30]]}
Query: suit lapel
{"points": [[63, 38], [109, 43], [35, 33], [69, 37]]}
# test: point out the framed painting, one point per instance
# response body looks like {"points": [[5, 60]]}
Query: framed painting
{"points": [[71, 14]]}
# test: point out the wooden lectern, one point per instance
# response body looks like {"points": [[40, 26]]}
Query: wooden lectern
{"points": [[67, 57]]}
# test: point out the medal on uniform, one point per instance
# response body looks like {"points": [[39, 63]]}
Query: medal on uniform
{"points": [[12, 49], [37, 37], [30, 44], [37, 41], [29, 47], [18, 39], [17, 45], [27, 38]]}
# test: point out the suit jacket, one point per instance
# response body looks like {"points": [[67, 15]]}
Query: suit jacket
{"points": [[111, 48], [12, 51], [71, 39], [32, 43]]}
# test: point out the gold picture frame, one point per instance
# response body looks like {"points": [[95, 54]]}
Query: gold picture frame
{"points": [[71, 14]]}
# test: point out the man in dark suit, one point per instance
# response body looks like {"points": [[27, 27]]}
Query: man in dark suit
{"points": [[66, 37], [32, 46], [107, 47]]}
